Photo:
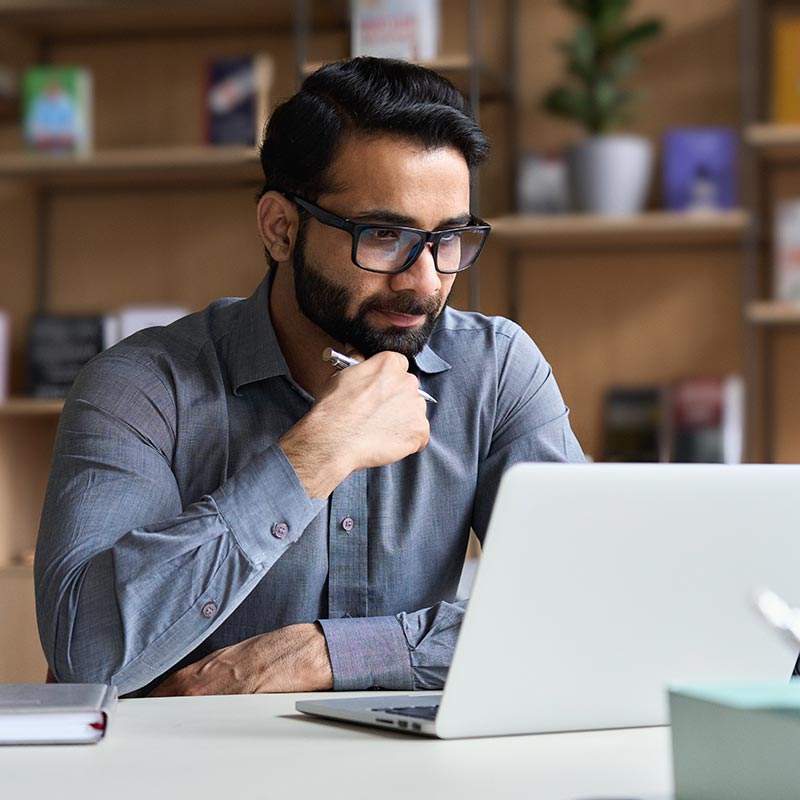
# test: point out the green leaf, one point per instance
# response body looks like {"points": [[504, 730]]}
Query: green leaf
{"points": [[622, 66], [581, 53], [612, 13], [566, 102], [579, 7], [638, 34]]}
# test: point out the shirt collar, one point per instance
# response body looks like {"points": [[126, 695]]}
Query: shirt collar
{"points": [[255, 353], [429, 361]]}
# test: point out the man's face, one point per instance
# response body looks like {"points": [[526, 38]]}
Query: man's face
{"points": [[383, 180]]}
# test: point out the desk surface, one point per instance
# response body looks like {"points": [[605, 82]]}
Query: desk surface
{"points": [[247, 747]]}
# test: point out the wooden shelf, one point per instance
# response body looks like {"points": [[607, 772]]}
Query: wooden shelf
{"points": [[16, 571], [775, 142], [30, 407], [456, 68], [773, 312], [201, 163], [650, 228]]}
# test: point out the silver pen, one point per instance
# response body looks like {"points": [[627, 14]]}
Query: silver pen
{"points": [[341, 361]]}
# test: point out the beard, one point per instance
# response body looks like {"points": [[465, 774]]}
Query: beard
{"points": [[326, 304]]}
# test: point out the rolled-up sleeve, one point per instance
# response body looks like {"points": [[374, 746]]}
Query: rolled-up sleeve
{"points": [[410, 651]]}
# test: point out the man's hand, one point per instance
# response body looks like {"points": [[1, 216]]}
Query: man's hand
{"points": [[291, 659], [369, 415]]}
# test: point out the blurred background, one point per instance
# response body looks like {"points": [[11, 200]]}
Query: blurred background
{"points": [[643, 190]]}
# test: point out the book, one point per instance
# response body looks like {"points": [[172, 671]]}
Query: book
{"points": [[707, 420], [5, 355], [55, 713], [786, 250], [786, 69], [634, 424], [57, 109], [130, 319], [700, 169], [405, 29], [692, 420], [59, 347], [238, 99]]}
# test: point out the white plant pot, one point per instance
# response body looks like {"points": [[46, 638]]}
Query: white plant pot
{"points": [[609, 175]]}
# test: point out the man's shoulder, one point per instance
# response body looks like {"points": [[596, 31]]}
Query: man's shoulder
{"points": [[471, 329], [182, 341]]}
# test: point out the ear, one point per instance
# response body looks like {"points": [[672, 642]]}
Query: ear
{"points": [[277, 225]]}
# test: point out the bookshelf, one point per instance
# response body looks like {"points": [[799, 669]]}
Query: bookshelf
{"points": [[190, 163], [30, 407], [773, 312], [647, 229], [154, 215], [773, 171]]}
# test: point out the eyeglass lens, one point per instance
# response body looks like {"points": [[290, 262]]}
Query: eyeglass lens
{"points": [[389, 250]]}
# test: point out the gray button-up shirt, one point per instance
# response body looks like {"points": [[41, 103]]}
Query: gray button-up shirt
{"points": [[174, 525]]}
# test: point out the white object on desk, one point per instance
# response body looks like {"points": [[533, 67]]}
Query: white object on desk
{"points": [[256, 746], [601, 584]]}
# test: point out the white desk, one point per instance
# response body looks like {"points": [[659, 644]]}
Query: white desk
{"points": [[248, 747]]}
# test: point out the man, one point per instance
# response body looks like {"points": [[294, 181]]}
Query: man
{"points": [[229, 513]]}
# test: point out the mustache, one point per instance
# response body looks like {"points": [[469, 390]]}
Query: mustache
{"points": [[403, 304]]}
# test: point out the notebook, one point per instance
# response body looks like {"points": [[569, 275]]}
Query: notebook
{"points": [[599, 585], [61, 713]]}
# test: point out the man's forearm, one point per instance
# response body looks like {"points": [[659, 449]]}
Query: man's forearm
{"points": [[125, 608]]}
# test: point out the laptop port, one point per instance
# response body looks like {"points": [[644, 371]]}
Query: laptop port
{"points": [[385, 721], [415, 726], [402, 723]]}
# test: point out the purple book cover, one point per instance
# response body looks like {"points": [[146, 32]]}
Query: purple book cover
{"points": [[700, 169]]}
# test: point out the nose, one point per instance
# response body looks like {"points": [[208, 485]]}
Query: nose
{"points": [[421, 277]]}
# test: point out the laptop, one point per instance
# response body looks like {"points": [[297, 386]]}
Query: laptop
{"points": [[599, 585]]}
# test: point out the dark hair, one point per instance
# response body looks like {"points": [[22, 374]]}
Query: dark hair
{"points": [[362, 95]]}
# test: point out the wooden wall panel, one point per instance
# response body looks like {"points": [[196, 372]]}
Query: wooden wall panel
{"points": [[21, 658], [187, 247], [785, 409], [635, 317], [26, 446]]}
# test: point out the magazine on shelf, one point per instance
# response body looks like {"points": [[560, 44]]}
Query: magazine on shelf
{"points": [[59, 346], [786, 69], [405, 29], [57, 109], [692, 420], [238, 99], [5, 355], [700, 168], [787, 250]]}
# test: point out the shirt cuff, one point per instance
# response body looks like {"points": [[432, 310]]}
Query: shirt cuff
{"points": [[368, 653]]}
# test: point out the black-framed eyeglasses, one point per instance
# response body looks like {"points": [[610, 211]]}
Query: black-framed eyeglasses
{"points": [[395, 248]]}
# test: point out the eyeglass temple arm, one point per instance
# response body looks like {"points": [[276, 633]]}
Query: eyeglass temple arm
{"points": [[322, 215]]}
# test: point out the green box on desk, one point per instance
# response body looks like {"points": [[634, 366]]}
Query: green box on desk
{"points": [[736, 742]]}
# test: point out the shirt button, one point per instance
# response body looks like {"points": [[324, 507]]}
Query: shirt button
{"points": [[209, 609], [347, 524], [279, 530]]}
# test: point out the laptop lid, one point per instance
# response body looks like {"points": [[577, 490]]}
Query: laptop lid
{"points": [[600, 584]]}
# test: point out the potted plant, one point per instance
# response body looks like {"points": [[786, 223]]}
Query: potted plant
{"points": [[607, 174]]}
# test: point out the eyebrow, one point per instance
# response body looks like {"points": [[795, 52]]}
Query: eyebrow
{"points": [[393, 218]]}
